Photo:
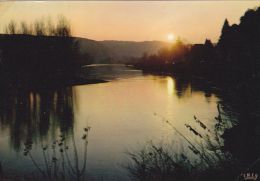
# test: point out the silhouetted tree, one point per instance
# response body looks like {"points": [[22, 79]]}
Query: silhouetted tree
{"points": [[50, 28], [179, 51], [63, 28], [225, 27], [44, 55], [236, 55], [39, 28], [25, 29], [11, 28]]}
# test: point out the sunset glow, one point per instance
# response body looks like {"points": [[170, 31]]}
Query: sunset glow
{"points": [[133, 20], [129, 90], [170, 37]]}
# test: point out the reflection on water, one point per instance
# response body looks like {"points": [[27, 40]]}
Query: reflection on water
{"points": [[34, 113], [170, 86], [121, 114]]}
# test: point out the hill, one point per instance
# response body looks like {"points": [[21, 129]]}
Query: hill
{"points": [[110, 51]]}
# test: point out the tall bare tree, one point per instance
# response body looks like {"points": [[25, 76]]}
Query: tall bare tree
{"points": [[11, 28], [63, 27]]}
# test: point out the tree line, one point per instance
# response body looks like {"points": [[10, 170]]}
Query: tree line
{"points": [[40, 27], [236, 54], [43, 53]]}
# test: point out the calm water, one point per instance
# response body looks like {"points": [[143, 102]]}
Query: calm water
{"points": [[124, 114]]}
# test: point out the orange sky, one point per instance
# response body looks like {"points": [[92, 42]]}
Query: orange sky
{"points": [[133, 20]]}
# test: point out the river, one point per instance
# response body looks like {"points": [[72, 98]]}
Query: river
{"points": [[124, 114]]}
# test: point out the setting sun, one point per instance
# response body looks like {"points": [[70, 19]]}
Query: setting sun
{"points": [[130, 90], [170, 37]]}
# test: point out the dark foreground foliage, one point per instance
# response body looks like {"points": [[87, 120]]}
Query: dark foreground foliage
{"points": [[198, 161]]}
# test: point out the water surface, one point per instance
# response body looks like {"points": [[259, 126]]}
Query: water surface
{"points": [[124, 114]]}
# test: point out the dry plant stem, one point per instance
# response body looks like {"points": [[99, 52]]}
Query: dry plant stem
{"points": [[67, 157], [36, 165], [45, 160], [204, 157], [85, 154], [55, 163], [75, 156], [63, 164]]}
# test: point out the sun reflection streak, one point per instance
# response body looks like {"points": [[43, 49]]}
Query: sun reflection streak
{"points": [[170, 86]]}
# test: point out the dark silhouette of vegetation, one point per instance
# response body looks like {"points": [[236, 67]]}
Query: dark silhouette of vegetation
{"points": [[203, 158], [32, 116], [235, 55], [40, 54], [40, 27], [58, 164], [230, 70], [44, 55], [166, 58], [240, 103]]}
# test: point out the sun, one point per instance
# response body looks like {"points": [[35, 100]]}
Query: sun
{"points": [[170, 37]]}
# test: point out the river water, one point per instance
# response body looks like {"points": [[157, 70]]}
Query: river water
{"points": [[124, 114]]}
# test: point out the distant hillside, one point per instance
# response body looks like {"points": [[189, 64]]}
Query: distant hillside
{"points": [[124, 49], [118, 51], [96, 52]]}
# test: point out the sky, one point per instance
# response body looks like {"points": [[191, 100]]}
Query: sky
{"points": [[192, 21]]}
